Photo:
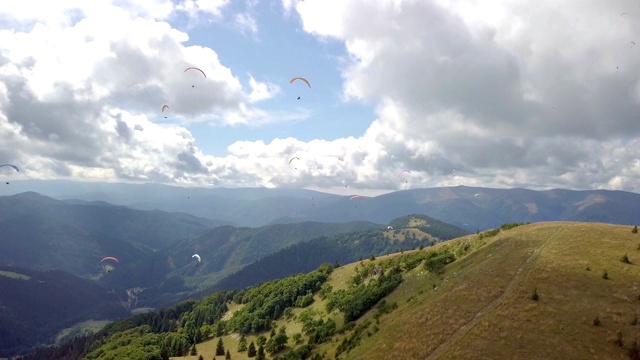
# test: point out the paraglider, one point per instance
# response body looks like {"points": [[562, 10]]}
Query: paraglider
{"points": [[197, 69], [301, 79], [190, 187], [13, 166], [165, 107], [356, 197], [294, 158], [402, 172], [108, 267], [197, 257]]}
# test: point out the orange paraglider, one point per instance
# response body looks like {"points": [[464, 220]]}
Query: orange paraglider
{"points": [[300, 78]]}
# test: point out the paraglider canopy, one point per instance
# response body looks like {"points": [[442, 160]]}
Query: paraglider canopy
{"points": [[13, 166], [195, 68], [402, 172], [300, 78], [197, 257], [294, 158], [108, 267], [356, 197]]}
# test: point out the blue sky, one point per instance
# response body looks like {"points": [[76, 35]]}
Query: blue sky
{"points": [[277, 52], [506, 93]]}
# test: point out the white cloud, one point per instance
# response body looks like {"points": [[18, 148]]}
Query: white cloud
{"points": [[246, 22], [212, 6], [510, 93], [504, 94], [77, 93], [261, 91]]}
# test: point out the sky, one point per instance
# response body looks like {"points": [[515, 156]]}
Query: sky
{"points": [[502, 94]]}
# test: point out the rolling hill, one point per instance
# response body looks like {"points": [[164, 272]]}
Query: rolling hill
{"points": [[409, 232], [42, 233], [171, 274], [551, 290]]}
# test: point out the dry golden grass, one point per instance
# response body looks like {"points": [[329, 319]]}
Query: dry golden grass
{"points": [[484, 311], [480, 308]]}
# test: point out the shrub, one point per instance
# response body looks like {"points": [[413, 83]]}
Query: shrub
{"points": [[605, 275], [618, 340], [535, 296], [635, 229], [596, 322], [436, 263], [634, 351], [625, 259]]}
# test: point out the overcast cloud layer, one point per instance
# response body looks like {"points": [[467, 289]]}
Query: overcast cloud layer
{"points": [[513, 93]]}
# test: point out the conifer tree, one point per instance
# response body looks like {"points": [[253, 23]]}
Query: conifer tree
{"points": [[252, 350], [242, 344], [220, 347], [261, 355]]}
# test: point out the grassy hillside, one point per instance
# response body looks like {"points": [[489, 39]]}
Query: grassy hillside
{"points": [[468, 298], [482, 306]]}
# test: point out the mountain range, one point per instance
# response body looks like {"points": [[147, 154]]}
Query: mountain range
{"points": [[472, 208], [256, 236]]}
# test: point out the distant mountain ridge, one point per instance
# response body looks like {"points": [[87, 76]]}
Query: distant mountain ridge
{"points": [[473, 208]]}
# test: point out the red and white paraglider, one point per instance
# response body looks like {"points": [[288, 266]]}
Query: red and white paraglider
{"points": [[193, 68]]}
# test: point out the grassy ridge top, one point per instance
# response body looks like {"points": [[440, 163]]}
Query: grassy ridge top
{"points": [[482, 307]]}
